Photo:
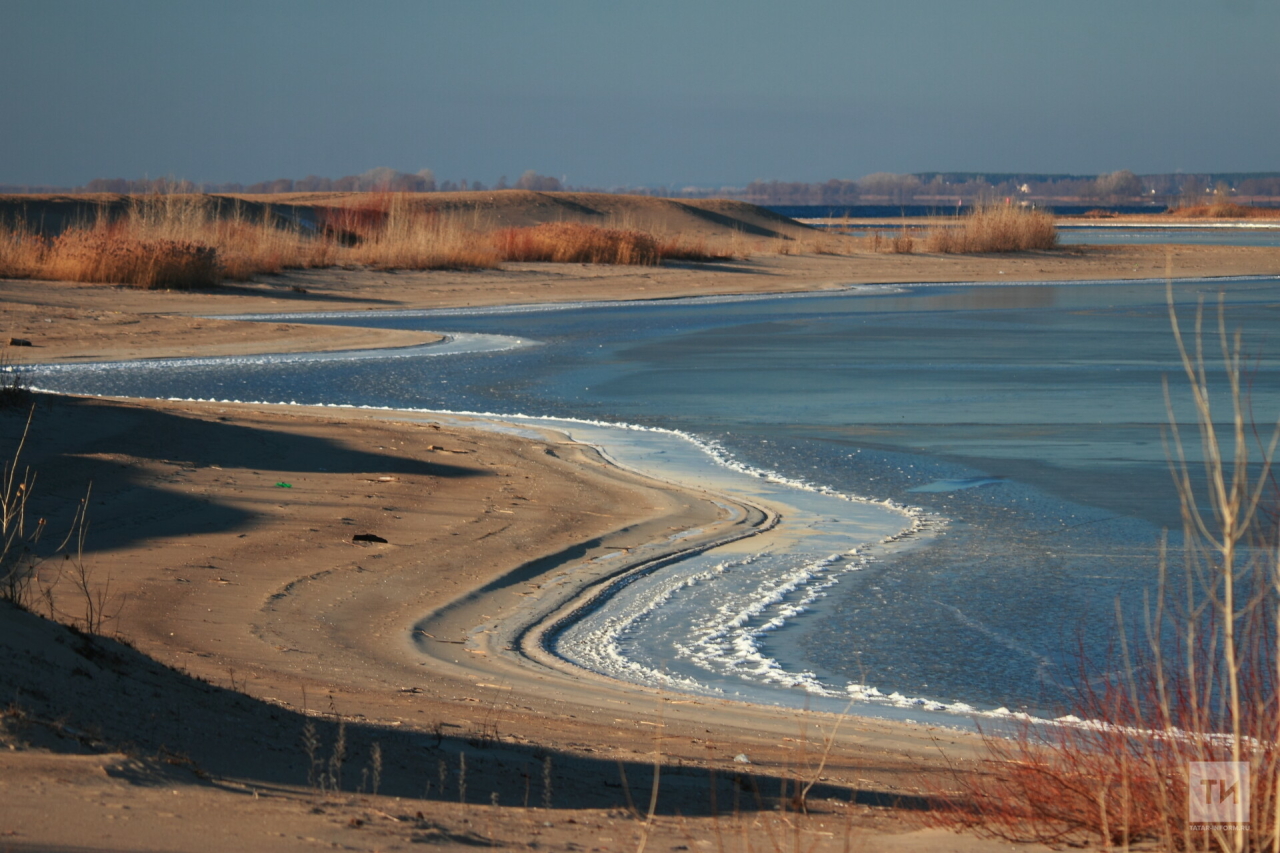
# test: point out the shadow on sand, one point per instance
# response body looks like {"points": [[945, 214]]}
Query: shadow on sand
{"points": [[75, 441], [104, 695]]}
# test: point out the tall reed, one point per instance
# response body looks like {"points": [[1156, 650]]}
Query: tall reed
{"points": [[1225, 210], [106, 255], [995, 228], [176, 241], [414, 239], [20, 251]]}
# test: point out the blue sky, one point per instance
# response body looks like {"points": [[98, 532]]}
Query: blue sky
{"points": [[640, 93]]}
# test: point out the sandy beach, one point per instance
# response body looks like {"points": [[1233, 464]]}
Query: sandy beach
{"points": [[242, 614]]}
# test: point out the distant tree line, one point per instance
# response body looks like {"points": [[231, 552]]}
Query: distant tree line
{"points": [[375, 180], [936, 187], [880, 187]]}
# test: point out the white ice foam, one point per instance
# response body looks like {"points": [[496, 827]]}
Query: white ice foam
{"points": [[455, 343]]}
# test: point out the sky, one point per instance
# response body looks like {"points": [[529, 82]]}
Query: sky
{"points": [[641, 93]]}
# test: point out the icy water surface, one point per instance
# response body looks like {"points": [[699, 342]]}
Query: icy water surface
{"points": [[1022, 421], [1259, 233]]}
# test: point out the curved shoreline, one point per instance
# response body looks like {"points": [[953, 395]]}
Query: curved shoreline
{"points": [[523, 635], [536, 639], [516, 712], [543, 626]]}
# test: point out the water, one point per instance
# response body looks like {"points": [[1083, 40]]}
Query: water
{"points": [[1265, 233], [1255, 233], [893, 211], [1115, 235], [1015, 428]]}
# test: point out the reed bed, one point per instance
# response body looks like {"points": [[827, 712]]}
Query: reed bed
{"points": [[20, 252], [576, 243], [151, 264], [1225, 210], [1198, 681], [995, 228], [409, 238], [162, 242], [183, 242]]}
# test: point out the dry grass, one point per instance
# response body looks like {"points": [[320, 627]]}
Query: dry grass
{"points": [[20, 252], [1199, 681], [103, 256], [995, 228], [697, 250], [1225, 210], [183, 242], [818, 242], [413, 239], [895, 243], [578, 243], [575, 243]]}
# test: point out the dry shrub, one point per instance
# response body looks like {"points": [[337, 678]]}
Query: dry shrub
{"points": [[103, 256], [1225, 210], [1116, 772], [995, 228], [1199, 681]]}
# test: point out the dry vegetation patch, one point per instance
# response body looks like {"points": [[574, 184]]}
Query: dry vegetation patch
{"points": [[995, 228], [185, 242], [573, 242], [1225, 210], [100, 255]]}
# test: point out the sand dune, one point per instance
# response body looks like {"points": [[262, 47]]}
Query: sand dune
{"points": [[485, 210]]}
